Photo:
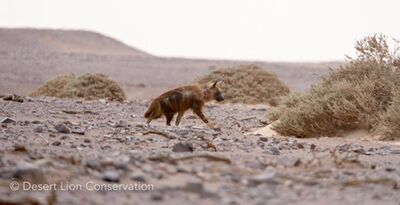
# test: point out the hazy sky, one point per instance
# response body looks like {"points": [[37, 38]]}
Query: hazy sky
{"points": [[274, 30]]}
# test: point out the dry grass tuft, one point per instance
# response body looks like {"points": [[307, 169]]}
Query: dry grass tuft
{"points": [[362, 94], [248, 84], [88, 87]]}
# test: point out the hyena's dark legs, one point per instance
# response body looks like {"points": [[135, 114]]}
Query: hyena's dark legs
{"points": [[198, 112], [169, 117], [178, 118]]}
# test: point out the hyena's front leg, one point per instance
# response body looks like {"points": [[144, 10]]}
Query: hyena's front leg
{"points": [[169, 117], [198, 112], [178, 118]]}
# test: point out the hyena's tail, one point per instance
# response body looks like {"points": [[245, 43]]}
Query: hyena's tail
{"points": [[154, 110]]}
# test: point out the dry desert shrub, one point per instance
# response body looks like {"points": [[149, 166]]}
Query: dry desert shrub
{"points": [[362, 94], [248, 84], [388, 126], [54, 87], [88, 87]]}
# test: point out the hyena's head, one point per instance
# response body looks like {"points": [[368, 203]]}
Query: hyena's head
{"points": [[215, 92]]}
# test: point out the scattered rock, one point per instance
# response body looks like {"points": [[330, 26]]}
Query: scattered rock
{"points": [[20, 148], [289, 162], [299, 145], [272, 150], [263, 139], [183, 147], [183, 132], [105, 147], [122, 123], [157, 196], [138, 176], [267, 177], [62, 128], [195, 187], [8, 120], [14, 98], [78, 132], [86, 140], [217, 129], [396, 151], [111, 176], [313, 146], [29, 172], [39, 129], [65, 137], [94, 164], [389, 169], [56, 143]]}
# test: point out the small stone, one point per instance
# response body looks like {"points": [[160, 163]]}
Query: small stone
{"points": [[195, 187], [39, 129], [300, 146], [183, 132], [183, 147], [20, 148], [29, 172], [63, 137], [395, 151], [86, 140], [272, 150], [105, 147], [56, 143], [7, 97], [111, 176], [157, 196], [78, 132], [267, 177], [138, 176], [289, 161], [263, 139], [122, 123], [103, 101], [62, 128], [14, 98], [389, 169], [313, 146], [217, 129], [94, 164], [8, 120]]}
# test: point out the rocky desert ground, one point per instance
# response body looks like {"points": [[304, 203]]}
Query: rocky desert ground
{"points": [[70, 151]]}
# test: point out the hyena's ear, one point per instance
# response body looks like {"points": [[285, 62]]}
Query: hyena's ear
{"points": [[215, 83]]}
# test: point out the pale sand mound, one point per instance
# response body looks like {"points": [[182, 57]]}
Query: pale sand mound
{"points": [[88, 86], [266, 131], [248, 84]]}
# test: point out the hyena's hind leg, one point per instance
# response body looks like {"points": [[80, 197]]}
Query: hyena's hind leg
{"points": [[178, 118]]}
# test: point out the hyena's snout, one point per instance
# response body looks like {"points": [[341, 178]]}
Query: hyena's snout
{"points": [[219, 98]]}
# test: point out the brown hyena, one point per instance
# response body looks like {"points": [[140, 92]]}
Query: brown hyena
{"points": [[181, 99]]}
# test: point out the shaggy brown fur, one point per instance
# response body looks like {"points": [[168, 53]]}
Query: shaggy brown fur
{"points": [[181, 99]]}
